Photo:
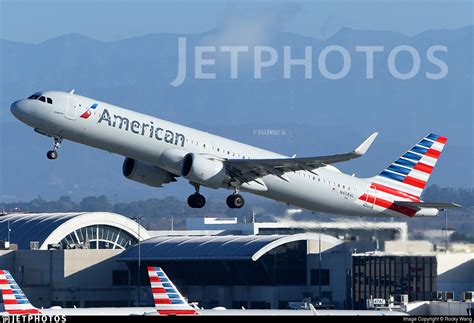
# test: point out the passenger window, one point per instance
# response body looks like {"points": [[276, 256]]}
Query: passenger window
{"points": [[42, 99], [50, 101]]}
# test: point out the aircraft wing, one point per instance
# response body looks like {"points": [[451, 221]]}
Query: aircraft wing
{"points": [[434, 205], [247, 170]]}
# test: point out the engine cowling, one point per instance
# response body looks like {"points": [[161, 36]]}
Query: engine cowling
{"points": [[208, 172], [144, 173]]}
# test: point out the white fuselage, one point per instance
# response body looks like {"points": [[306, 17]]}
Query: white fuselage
{"points": [[163, 144]]}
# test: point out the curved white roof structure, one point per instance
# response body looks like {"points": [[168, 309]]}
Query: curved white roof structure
{"points": [[230, 247], [99, 230]]}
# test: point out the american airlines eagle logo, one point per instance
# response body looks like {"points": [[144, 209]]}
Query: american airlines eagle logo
{"points": [[88, 112]]}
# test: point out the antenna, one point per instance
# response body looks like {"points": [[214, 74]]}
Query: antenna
{"points": [[72, 91]]}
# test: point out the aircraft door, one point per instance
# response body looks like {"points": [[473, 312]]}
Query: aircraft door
{"points": [[370, 197], [71, 109]]}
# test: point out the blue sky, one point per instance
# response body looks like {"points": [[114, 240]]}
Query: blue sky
{"points": [[34, 21]]}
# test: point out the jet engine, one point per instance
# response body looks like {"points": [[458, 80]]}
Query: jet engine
{"points": [[208, 172], [144, 173]]}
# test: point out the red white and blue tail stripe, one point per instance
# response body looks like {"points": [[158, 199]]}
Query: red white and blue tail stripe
{"points": [[14, 299], [168, 300], [409, 173]]}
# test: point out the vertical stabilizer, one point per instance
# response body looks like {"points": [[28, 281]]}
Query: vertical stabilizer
{"points": [[168, 300]]}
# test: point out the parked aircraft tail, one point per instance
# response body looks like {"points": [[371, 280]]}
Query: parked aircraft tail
{"points": [[168, 300], [15, 301]]}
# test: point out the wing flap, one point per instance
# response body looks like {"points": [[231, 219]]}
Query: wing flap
{"points": [[279, 166]]}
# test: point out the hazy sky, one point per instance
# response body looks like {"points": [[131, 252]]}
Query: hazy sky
{"points": [[35, 21]]}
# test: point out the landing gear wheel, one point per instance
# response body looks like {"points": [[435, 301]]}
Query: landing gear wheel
{"points": [[235, 201], [196, 201], [52, 154]]}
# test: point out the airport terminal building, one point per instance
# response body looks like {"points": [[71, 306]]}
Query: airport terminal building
{"points": [[95, 259]]}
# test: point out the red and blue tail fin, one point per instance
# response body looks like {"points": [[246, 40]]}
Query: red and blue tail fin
{"points": [[168, 300], [409, 173], [14, 299]]}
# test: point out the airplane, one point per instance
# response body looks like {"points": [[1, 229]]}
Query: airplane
{"points": [[157, 152], [16, 303], [169, 301]]}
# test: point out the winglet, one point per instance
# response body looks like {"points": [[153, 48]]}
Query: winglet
{"points": [[362, 149]]}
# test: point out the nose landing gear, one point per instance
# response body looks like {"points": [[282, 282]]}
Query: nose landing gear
{"points": [[53, 154]]}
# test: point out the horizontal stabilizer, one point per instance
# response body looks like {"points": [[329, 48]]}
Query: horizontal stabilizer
{"points": [[433, 205]]}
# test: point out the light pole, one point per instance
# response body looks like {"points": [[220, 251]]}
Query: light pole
{"points": [[7, 245], [446, 227], [138, 218], [320, 257]]}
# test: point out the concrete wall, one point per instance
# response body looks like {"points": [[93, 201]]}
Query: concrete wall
{"points": [[437, 308], [408, 246], [56, 276], [417, 308], [455, 272], [448, 308]]}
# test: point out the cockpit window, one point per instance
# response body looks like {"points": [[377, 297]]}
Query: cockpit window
{"points": [[33, 97], [42, 99], [50, 101]]}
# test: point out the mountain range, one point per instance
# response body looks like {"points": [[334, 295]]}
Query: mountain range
{"points": [[299, 116]]}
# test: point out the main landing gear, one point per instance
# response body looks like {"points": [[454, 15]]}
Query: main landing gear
{"points": [[53, 154], [235, 201], [196, 200]]}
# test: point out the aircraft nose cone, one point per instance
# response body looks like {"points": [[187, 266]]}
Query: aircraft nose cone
{"points": [[17, 108]]}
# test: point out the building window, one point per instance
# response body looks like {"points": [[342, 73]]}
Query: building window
{"points": [[120, 277], [320, 277], [327, 295]]}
